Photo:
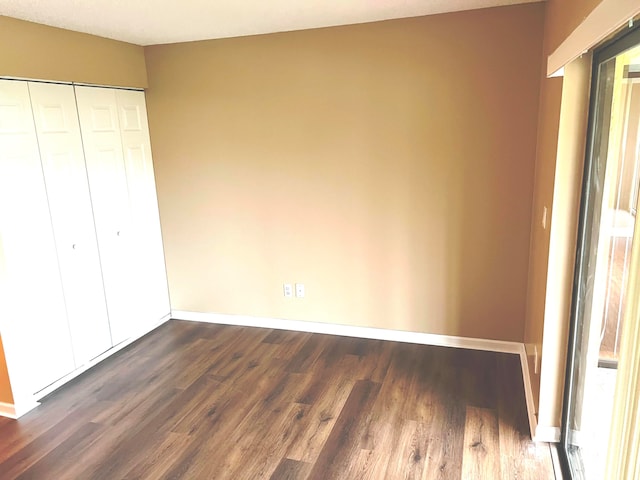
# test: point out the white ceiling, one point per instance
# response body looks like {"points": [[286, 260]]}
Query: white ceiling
{"points": [[149, 22]]}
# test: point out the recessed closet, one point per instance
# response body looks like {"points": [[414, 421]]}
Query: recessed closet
{"points": [[81, 260]]}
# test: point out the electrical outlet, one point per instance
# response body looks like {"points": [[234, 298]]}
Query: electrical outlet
{"points": [[288, 290], [299, 290]]}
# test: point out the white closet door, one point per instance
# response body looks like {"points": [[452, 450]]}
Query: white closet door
{"points": [[33, 318], [56, 119], [98, 114], [134, 130]]}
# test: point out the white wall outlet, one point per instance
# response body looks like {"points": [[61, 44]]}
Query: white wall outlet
{"points": [[288, 290], [544, 218], [299, 290]]}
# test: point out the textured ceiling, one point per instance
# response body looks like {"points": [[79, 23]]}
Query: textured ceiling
{"points": [[148, 22]]}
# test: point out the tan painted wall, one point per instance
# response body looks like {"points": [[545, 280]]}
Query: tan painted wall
{"points": [[546, 151], [6, 395], [561, 18], [387, 166], [31, 50], [550, 93], [563, 237]]}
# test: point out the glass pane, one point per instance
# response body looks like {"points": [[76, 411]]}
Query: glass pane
{"points": [[606, 232]]}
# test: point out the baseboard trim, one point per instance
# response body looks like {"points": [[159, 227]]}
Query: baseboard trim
{"points": [[16, 410], [351, 331], [113, 350], [528, 391], [8, 410], [377, 334], [547, 434]]}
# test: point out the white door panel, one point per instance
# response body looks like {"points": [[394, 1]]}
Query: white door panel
{"points": [[144, 206], [34, 322], [97, 110], [58, 131]]}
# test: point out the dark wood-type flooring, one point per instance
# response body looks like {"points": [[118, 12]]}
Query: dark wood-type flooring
{"points": [[199, 401]]}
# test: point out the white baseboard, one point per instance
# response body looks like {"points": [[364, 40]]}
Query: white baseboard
{"points": [[17, 409], [547, 434], [54, 386], [7, 410], [352, 331], [377, 334], [528, 392]]}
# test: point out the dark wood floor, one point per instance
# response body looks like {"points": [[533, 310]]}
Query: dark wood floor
{"points": [[199, 401]]}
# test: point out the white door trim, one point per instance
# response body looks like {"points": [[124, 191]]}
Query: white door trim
{"points": [[8, 410], [18, 409]]}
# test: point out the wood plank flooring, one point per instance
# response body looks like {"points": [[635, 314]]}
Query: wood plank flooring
{"points": [[199, 401]]}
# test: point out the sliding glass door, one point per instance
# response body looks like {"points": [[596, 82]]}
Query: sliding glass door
{"points": [[606, 232]]}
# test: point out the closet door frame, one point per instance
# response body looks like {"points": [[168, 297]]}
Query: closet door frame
{"points": [[24, 398]]}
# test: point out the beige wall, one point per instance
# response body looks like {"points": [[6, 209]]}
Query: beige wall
{"points": [[40, 52], [572, 133], [387, 166], [548, 121], [31, 50], [561, 18]]}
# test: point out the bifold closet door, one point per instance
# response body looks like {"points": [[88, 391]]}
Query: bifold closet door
{"points": [[98, 115], [154, 295], [58, 131], [33, 321]]}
